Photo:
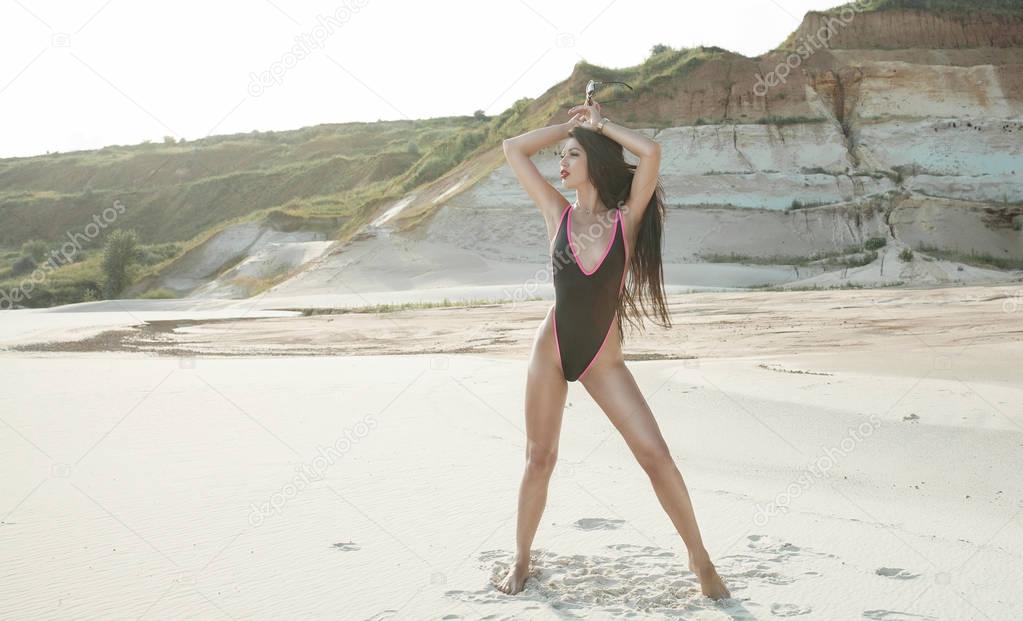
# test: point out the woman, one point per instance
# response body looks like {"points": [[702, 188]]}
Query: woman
{"points": [[613, 227]]}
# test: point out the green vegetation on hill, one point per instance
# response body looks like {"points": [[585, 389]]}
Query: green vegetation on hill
{"points": [[331, 178], [177, 195], [173, 192]]}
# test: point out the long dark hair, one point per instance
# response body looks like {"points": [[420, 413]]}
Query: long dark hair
{"points": [[612, 176]]}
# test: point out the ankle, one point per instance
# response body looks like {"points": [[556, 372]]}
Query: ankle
{"points": [[521, 564], [699, 558]]}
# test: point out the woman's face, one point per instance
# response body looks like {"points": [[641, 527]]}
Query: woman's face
{"points": [[573, 165]]}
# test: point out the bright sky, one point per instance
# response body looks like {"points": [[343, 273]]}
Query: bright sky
{"points": [[83, 74]]}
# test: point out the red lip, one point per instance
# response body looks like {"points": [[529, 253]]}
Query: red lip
{"points": [[564, 174]]}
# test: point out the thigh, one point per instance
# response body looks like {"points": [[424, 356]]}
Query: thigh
{"points": [[615, 391], [546, 390]]}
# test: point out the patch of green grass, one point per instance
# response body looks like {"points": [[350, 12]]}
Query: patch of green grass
{"points": [[735, 257], [173, 193], [392, 308], [60, 282], [158, 294], [976, 259], [789, 120], [847, 257], [255, 286], [845, 285], [798, 204], [674, 65], [858, 259], [66, 284]]}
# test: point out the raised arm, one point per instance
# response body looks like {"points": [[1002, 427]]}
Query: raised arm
{"points": [[519, 149], [644, 182]]}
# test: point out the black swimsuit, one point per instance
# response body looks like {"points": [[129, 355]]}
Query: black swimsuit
{"points": [[585, 303]]}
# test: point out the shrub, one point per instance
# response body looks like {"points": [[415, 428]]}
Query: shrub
{"points": [[874, 243], [23, 265], [467, 141], [798, 204], [859, 261], [433, 167], [906, 255], [119, 253], [35, 248]]}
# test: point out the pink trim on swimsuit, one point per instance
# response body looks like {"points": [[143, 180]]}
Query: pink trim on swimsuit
{"points": [[556, 343], [606, 250]]}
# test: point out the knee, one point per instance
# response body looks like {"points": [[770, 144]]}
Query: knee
{"points": [[656, 461], [540, 462]]}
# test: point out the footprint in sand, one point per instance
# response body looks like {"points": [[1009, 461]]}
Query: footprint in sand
{"points": [[347, 546], [598, 524], [768, 560], [790, 610], [895, 572], [626, 581], [881, 614]]}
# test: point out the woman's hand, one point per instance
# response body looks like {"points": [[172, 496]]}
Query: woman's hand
{"points": [[585, 115]]}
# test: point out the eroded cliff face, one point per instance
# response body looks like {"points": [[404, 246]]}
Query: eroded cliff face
{"points": [[802, 159], [923, 147], [909, 29]]}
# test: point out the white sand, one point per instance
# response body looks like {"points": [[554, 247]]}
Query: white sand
{"points": [[838, 472]]}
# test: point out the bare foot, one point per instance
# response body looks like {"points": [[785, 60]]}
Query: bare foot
{"points": [[514, 581], [710, 582]]}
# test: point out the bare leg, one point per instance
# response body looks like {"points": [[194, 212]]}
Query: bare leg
{"points": [[546, 390], [615, 390]]}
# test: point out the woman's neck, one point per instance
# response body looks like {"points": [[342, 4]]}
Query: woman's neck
{"points": [[588, 201]]}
